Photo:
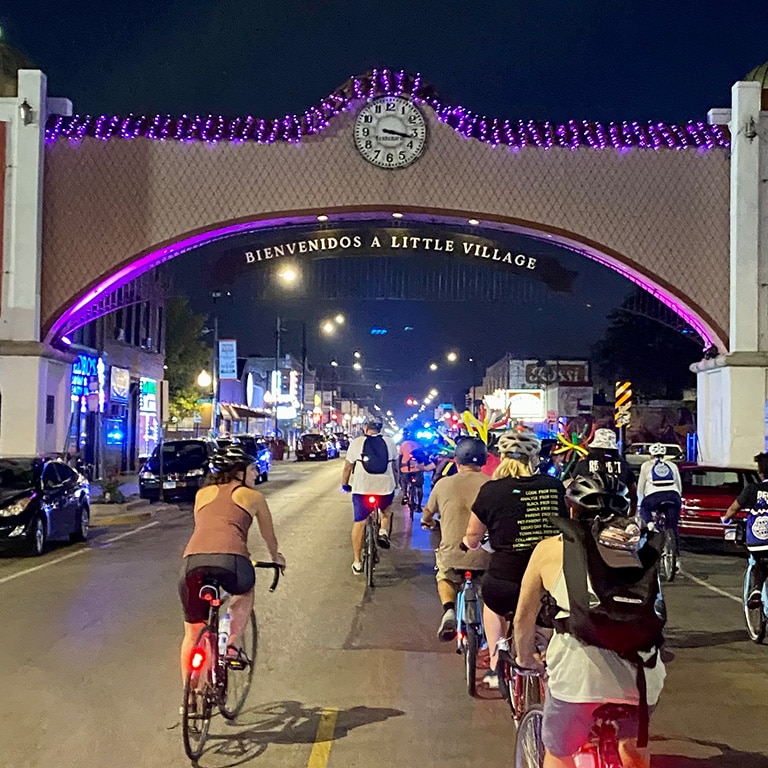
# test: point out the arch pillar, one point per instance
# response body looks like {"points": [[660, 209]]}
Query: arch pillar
{"points": [[732, 388], [34, 379]]}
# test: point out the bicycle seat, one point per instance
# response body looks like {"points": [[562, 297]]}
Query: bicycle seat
{"points": [[612, 713]]}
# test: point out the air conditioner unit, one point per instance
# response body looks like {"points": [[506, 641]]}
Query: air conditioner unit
{"points": [[120, 334]]}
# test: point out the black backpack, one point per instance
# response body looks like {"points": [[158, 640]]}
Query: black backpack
{"points": [[375, 455], [621, 611]]}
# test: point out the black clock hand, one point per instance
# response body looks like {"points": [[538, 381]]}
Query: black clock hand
{"points": [[395, 133]]}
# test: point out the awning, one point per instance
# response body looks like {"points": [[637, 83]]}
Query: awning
{"points": [[238, 412]]}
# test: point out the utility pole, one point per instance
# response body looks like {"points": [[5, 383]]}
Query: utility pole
{"points": [[277, 379], [302, 404], [215, 400]]}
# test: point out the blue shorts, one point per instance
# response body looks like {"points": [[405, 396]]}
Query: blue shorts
{"points": [[566, 725], [363, 508]]}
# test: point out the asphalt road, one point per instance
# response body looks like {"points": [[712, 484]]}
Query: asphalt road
{"points": [[346, 678]]}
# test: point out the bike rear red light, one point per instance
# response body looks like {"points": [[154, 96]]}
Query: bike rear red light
{"points": [[371, 499], [198, 658]]}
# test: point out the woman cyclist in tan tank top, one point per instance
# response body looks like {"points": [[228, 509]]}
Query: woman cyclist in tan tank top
{"points": [[224, 510]]}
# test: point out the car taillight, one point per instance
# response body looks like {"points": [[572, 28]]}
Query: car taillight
{"points": [[198, 658]]}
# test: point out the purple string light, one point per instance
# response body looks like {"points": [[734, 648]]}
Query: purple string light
{"points": [[380, 82]]}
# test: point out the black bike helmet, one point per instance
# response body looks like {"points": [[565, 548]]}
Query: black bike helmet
{"points": [[598, 495], [233, 458], [471, 450]]}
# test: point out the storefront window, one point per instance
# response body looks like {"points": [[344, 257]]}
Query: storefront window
{"points": [[149, 423]]}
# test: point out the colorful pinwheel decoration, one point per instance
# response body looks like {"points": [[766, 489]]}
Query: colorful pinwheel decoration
{"points": [[573, 447], [486, 421]]}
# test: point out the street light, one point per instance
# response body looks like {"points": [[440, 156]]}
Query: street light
{"points": [[357, 355], [328, 327], [452, 357], [433, 366], [357, 366], [339, 319], [377, 386], [334, 364], [433, 393], [288, 274], [204, 379]]}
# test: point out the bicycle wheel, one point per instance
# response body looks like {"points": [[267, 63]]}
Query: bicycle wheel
{"points": [[471, 644], [369, 554], [755, 616], [529, 748], [239, 671], [669, 556], [198, 699]]}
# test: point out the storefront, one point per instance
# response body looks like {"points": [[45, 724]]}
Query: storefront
{"points": [[87, 396]]}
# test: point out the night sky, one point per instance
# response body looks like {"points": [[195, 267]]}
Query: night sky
{"points": [[580, 59]]}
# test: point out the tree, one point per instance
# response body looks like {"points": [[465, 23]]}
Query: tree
{"points": [[186, 354], [653, 356]]}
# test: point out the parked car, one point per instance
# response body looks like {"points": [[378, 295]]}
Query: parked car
{"points": [[637, 453], [41, 499], [312, 447], [184, 467], [255, 445], [343, 441], [708, 491]]}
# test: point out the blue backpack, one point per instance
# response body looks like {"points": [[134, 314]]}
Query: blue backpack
{"points": [[661, 473]]}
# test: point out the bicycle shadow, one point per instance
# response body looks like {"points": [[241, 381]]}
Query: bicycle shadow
{"points": [[281, 722], [697, 639], [728, 757]]}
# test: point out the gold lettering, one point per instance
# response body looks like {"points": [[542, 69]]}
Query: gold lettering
{"points": [[357, 241], [531, 262], [314, 246], [279, 250], [249, 257], [467, 248], [375, 243], [449, 246]]}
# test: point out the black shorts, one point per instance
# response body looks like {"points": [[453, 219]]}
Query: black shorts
{"points": [[500, 595], [232, 572]]}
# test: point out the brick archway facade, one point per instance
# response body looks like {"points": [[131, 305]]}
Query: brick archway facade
{"points": [[659, 215]]}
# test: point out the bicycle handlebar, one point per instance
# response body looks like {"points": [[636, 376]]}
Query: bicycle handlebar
{"points": [[278, 569]]}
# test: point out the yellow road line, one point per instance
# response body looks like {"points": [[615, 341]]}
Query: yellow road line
{"points": [[321, 749]]}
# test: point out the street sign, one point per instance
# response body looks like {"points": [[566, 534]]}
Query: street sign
{"points": [[623, 404]]}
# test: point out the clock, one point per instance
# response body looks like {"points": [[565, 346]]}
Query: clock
{"points": [[390, 132]]}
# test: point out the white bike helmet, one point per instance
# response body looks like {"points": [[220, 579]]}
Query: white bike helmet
{"points": [[657, 449], [523, 446]]}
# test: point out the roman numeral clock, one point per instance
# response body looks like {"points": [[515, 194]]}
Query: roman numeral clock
{"points": [[390, 132]]}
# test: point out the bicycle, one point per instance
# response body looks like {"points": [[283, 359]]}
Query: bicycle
{"points": [[469, 627], [412, 492], [756, 617], [671, 550], [370, 545], [217, 679], [521, 688], [601, 751]]}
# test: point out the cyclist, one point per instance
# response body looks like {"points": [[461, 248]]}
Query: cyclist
{"points": [[452, 499], [754, 498], [659, 483], [365, 483], [581, 677], [515, 508], [224, 509], [414, 462], [604, 457]]}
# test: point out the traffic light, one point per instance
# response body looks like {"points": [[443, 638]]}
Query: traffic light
{"points": [[410, 401]]}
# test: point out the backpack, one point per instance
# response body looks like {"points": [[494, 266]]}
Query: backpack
{"points": [[375, 455], [620, 612], [661, 473]]}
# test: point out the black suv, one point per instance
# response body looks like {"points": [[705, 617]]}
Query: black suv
{"points": [[184, 467]]}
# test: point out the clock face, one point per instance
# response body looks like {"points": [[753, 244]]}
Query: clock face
{"points": [[390, 132]]}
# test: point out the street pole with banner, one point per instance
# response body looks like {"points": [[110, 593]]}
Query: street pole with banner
{"points": [[622, 410]]}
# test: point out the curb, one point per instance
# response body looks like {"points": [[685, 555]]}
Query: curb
{"points": [[128, 517]]}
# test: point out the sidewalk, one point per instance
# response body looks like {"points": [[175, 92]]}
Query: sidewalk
{"points": [[132, 511]]}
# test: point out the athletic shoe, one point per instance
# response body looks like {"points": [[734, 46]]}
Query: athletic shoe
{"points": [[491, 679], [447, 630], [383, 540], [755, 600], [357, 568]]}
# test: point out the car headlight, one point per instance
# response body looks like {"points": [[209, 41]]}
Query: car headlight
{"points": [[148, 476], [15, 509], [195, 473]]}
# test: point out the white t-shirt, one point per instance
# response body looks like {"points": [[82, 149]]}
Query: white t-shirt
{"points": [[365, 482], [646, 485]]}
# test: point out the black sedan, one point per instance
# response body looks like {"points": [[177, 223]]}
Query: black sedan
{"points": [[41, 499]]}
